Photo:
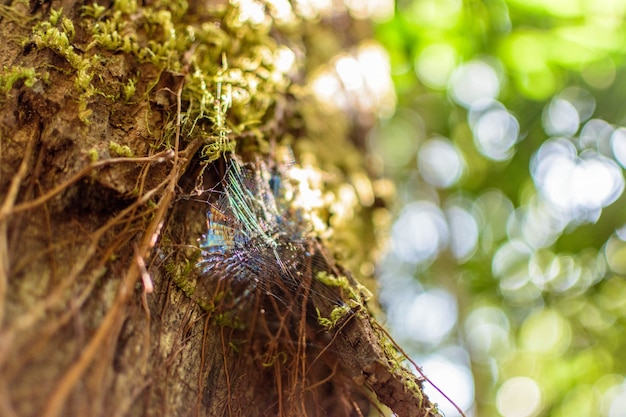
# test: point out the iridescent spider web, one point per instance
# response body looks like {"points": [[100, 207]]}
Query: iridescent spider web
{"points": [[254, 241]]}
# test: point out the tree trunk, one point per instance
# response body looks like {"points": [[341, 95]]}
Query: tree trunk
{"points": [[126, 126]]}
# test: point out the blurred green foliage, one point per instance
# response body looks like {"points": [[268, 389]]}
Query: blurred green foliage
{"points": [[508, 150]]}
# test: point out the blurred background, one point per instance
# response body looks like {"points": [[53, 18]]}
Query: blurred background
{"points": [[504, 276]]}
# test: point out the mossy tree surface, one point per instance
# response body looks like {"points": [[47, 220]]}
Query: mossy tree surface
{"points": [[115, 117]]}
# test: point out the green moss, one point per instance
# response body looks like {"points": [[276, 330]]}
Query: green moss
{"points": [[47, 35], [125, 6], [128, 89], [120, 150], [333, 281], [225, 64], [94, 10], [181, 274], [55, 15], [93, 155], [68, 27], [336, 316], [357, 294], [11, 75], [228, 319], [280, 356]]}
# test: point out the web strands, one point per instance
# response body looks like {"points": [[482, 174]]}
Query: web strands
{"points": [[247, 212], [252, 244]]}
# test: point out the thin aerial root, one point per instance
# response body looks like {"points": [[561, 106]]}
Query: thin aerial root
{"points": [[226, 374], [158, 158]]}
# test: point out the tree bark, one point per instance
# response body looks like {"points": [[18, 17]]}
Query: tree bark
{"points": [[119, 125]]}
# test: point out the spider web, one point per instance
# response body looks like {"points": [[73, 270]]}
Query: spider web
{"points": [[256, 245]]}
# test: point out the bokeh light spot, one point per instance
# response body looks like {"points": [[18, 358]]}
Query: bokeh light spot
{"points": [[463, 232], [359, 81], [251, 12], [528, 93], [379, 94], [536, 223], [349, 72], [310, 9], [617, 405], [285, 59], [560, 118], [615, 251], [453, 378], [440, 163], [487, 334], [378, 10], [580, 186], [519, 397], [327, 88], [618, 145], [495, 134], [546, 331], [434, 65], [596, 134], [420, 232], [437, 304], [582, 100], [510, 264], [473, 82], [281, 10]]}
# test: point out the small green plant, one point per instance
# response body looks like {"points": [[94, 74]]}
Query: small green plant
{"points": [[11, 75], [129, 89], [120, 150]]}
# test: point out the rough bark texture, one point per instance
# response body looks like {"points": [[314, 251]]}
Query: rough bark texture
{"points": [[103, 146]]}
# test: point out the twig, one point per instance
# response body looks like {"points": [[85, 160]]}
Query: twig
{"points": [[148, 286], [159, 157], [69, 380], [8, 203]]}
